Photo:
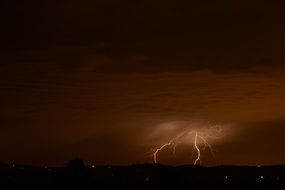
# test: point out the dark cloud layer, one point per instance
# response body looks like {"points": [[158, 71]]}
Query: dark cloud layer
{"points": [[154, 36], [96, 78]]}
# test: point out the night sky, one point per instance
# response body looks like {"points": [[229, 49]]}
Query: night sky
{"points": [[108, 81]]}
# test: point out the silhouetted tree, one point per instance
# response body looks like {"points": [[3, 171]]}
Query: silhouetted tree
{"points": [[75, 176], [76, 166]]}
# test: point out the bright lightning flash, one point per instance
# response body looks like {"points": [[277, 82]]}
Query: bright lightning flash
{"points": [[173, 142], [160, 149], [199, 137], [206, 144], [197, 148]]}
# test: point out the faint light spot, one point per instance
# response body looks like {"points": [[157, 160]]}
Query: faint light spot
{"points": [[93, 166], [226, 177], [261, 178]]}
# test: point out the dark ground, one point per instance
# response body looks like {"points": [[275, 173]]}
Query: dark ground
{"points": [[145, 176]]}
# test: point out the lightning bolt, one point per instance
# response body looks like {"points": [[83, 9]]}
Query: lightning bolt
{"points": [[197, 149], [198, 138], [174, 149], [155, 154], [173, 142]]}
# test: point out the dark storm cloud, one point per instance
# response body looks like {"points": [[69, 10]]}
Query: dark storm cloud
{"points": [[94, 78], [106, 148], [173, 36], [255, 144]]}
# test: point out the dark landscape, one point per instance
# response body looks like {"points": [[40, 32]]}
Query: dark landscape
{"points": [[142, 176]]}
